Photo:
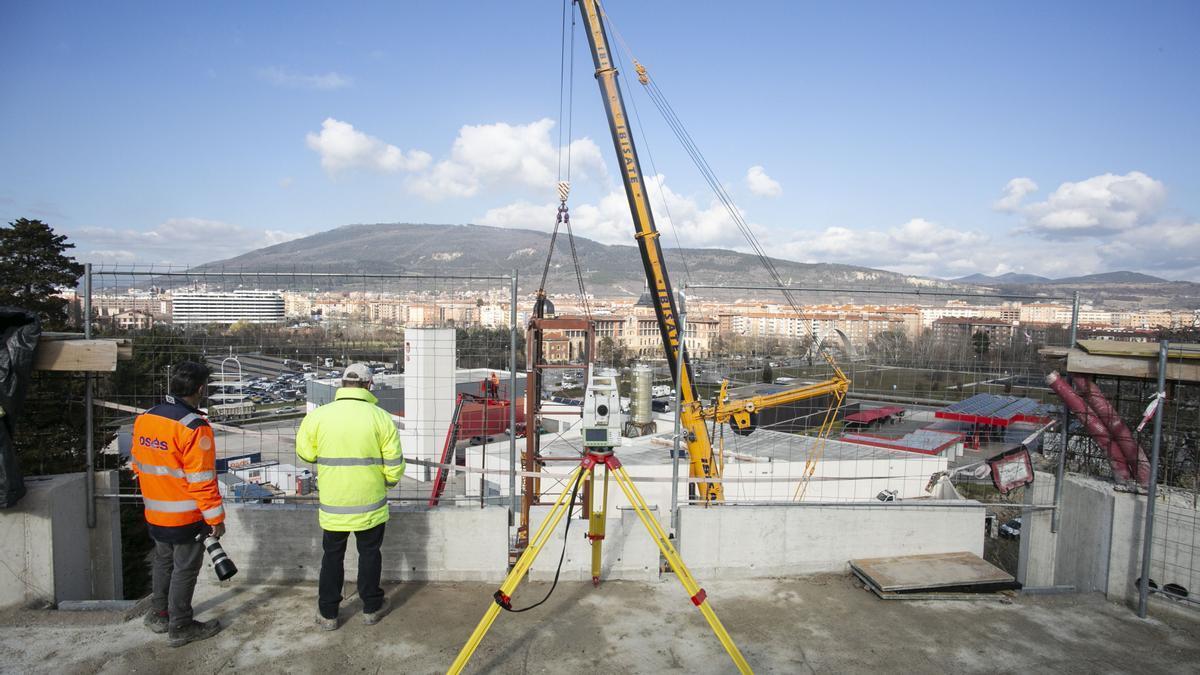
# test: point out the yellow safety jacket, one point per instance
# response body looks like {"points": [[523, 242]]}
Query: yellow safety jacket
{"points": [[356, 449]]}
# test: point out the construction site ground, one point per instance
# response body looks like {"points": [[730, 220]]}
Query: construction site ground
{"points": [[812, 624]]}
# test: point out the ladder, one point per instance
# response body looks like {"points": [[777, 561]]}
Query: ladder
{"points": [[452, 434]]}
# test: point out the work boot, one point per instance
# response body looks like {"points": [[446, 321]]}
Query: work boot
{"points": [[372, 618], [327, 624], [156, 621], [193, 631]]}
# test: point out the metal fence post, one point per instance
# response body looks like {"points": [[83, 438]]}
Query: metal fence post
{"points": [[512, 399], [1066, 423], [678, 413], [1148, 528], [88, 420]]}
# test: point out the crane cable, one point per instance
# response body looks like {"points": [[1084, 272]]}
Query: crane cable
{"points": [[566, 90], [658, 177], [681, 133], [685, 138]]}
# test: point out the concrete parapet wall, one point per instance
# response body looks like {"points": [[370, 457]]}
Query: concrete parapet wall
{"points": [[1085, 533], [1098, 546], [765, 541], [1035, 566], [47, 552], [282, 543], [276, 543], [627, 551]]}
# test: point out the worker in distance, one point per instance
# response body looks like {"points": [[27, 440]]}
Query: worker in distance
{"points": [[356, 450], [174, 460]]}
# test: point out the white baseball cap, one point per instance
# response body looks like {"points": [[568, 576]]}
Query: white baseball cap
{"points": [[358, 372]]}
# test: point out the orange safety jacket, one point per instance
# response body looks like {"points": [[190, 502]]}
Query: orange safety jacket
{"points": [[174, 458]]}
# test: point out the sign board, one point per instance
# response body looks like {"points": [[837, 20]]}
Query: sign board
{"points": [[238, 462], [1011, 469]]}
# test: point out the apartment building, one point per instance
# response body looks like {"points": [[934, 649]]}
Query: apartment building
{"points": [[204, 307]]}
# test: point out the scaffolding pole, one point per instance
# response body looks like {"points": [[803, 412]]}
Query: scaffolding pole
{"points": [[1060, 470], [1152, 490], [88, 415], [678, 374], [512, 400]]}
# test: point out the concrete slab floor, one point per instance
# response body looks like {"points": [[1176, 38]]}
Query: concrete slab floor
{"points": [[815, 624]]}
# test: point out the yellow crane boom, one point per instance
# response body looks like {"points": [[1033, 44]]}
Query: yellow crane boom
{"points": [[741, 413]]}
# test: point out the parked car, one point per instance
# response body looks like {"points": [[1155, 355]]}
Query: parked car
{"points": [[1011, 529]]}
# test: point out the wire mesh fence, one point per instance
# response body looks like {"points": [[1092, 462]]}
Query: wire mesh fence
{"points": [[277, 344], [449, 354], [1172, 566]]}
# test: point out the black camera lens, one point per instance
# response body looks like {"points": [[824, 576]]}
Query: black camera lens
{"points": [[602, 410], [221, 563]]}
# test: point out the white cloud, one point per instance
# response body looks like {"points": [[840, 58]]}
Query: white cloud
{"points": [[761, 184], [501, 154], [110, 256], [918, 246], [608, 220], [343, 147], [1100, 205], [1113, 222], [1014, 193], [522, 215], [178, 240], [282, 77]]}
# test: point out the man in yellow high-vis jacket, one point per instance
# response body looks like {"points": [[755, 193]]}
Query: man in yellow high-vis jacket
{"points": [[356, 449]]}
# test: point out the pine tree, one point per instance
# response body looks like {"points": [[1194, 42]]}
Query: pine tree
{"points": [[33, 267]]}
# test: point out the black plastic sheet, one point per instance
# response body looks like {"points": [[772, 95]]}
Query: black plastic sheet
{"points": [[19, 332]]}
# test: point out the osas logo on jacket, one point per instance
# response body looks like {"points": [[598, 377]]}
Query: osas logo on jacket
{"points": [[152, 443]]}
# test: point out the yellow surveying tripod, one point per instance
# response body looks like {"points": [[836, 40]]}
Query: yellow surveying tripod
{"points": [[592, 458]]}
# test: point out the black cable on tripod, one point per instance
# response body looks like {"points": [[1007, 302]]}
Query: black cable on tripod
{"points": [[504, 603]]}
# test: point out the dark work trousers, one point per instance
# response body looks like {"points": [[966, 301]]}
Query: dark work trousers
{"points": [[176, 567], [370, 566]]}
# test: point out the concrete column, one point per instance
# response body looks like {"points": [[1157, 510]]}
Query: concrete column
{"points": [[430, 358]]}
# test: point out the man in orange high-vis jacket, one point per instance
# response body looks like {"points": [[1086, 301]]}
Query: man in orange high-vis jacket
{"points": [[174, 458]]}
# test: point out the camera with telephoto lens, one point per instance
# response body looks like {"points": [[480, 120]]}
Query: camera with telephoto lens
{"points": [[221, 563]]}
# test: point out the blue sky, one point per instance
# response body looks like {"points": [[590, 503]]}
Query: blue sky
{"points": [[929, 138]]}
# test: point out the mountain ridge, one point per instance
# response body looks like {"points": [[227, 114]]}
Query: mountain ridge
{"points": [[1115, 277], [615, 270], [487, 250]]}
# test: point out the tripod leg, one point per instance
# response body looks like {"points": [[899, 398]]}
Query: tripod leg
{"points": [[596, 527], [698, 596], [560, 508]]}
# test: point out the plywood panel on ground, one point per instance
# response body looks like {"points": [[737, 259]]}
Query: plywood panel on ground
{"points": [[929, 571]]}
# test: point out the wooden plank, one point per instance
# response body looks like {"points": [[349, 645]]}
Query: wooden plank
{"points": [[1142, 349], [1079, 361], [78, 355], [929, 571]]}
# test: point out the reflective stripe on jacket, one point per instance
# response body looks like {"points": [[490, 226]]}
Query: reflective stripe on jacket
{"points": [[174, 458], [356, 450]]}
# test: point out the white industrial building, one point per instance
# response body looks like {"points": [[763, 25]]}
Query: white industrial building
{"points": [[204, 307]]}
